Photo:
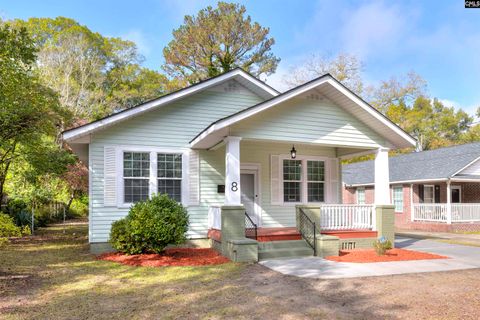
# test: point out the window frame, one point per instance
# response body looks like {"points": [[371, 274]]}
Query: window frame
{"points": [[304, 178], [425, 186], [364, 195], [172, 178], [401, 199], [124, 178], [153, 179]]}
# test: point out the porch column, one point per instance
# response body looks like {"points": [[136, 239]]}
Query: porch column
{"points": [[382, 179], [449, 203], [232, 170]]}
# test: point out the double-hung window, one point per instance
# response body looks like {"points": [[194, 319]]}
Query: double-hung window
{"points": [[316, 181], [303, 180], [149, 172], [136, 175], [361, 196], [170, 175], [292, 180], [428, 194], [398, 198]]}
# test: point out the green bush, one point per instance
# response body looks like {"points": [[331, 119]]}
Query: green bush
{"points": [[78, 208], [381, 245], [9, 229], [150, 225]]}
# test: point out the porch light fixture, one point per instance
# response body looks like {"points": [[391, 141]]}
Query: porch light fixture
{"points": [[293, 152]]}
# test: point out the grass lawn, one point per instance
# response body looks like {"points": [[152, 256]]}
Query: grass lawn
{"points": [[52, 276]]}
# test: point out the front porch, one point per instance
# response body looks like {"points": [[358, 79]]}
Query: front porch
{"points": [[343, 227]]}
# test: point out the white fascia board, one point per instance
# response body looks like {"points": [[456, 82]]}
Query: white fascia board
{"points": [[374, 113], [74, 134], [465, 167], [296, 92], [396, 182], [259, 108]]}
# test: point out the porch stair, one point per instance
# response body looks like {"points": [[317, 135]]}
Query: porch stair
{"points": [[283, 249]]}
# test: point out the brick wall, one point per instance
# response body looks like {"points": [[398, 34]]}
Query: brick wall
{"points": [[470, 193]]}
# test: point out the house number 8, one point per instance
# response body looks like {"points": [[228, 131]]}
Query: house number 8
{"points": [[234, 187]]}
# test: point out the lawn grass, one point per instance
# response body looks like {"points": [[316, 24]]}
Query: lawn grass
{"points": [[52, 275], [60, 279]]}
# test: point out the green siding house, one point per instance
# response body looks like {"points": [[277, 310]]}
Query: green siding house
{"points": [[227, 143]]}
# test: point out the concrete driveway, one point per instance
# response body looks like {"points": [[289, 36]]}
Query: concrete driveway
{"points": [[461, 257]]}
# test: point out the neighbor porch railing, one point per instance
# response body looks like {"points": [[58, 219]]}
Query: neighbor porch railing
{"points": [[465, 212], [347, 217], [215, 217], [434, 212], [440, 212]]}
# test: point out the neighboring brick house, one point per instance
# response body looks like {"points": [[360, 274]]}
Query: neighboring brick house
{"points": [[435, 190]]}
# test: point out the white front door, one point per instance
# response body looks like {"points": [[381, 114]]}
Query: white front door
{"points": [[249, 193]]}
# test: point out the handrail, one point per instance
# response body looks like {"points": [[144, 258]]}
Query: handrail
{"points": [[249, 226], [307, 229]]}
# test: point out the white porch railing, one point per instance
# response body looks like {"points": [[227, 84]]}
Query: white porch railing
{"points": [[438, 212], [435, 212], [215, 217], [465, 212], [347, 217]]}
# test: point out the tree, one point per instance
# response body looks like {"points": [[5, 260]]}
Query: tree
{"points": [[92, 74], [430, 122], [28, 110], [217, 40], [397, 90], [344, 67]]}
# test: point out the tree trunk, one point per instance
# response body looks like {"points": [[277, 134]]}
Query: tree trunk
{"points": [[69, 203]]}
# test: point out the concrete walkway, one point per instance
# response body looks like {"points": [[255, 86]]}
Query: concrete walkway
{"points": [[473, 239], [461, 257]]}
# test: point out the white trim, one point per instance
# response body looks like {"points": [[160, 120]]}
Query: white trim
{"points": [[255, 169], [459, 192], [397, 186], [90, 196], [433, 194], [397, 182], [364, 195], [74, 134], [298, 91], [304, 181], [468, 165], [411, 202], [153, 182]]}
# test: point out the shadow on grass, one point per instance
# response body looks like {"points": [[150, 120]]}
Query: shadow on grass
{"points": [[74, 285]]}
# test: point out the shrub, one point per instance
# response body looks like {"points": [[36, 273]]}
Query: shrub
{"points": [[150, 225], [78, 208], [8, 229], [381, 245]]}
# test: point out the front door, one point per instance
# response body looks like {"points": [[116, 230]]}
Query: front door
{"points": [[249, 194], [455, 194]]}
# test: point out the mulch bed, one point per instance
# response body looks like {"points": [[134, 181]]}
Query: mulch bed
{"points": [[369, 255], [170, 257]]}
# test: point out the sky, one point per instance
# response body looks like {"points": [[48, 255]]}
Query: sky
{"points": [[440, 40]]}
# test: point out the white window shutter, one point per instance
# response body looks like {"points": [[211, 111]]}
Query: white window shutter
{"points": [[275, 187], [194, 178], [109, 176], [333, 183]]}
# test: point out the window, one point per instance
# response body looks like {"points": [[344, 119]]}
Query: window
{"points": [[170, 175], [429, 194], [316, 180], [292, 178], [361, 196], [303, 180], [398, 198], [136, 175]]}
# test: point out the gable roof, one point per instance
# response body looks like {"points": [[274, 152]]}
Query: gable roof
{"points": [[259, 87], [438, 164], [335, 91]]}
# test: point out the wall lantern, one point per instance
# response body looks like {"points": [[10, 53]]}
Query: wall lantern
{"points": [[293, 152]]}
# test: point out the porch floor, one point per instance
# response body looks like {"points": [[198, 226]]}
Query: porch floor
{"points": [[291, 233]]}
